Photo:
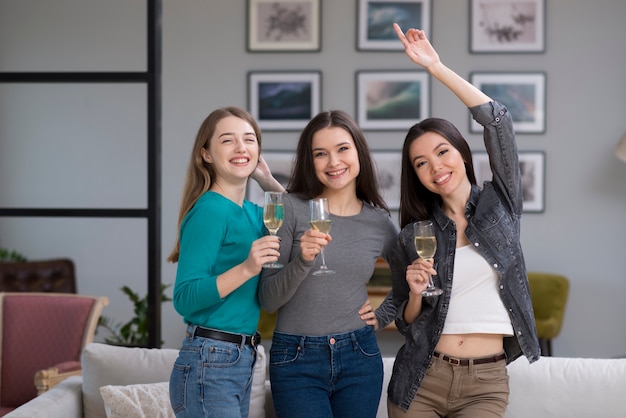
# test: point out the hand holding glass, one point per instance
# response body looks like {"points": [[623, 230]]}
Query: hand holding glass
{"points": [[426, 246], [320, 221], [273, 216]]}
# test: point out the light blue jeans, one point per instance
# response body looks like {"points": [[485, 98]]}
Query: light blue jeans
{"points": [[323, 377], [212, 378]]}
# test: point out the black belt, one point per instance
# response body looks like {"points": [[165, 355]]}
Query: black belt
{"points": [[252, 340], [466, 362]]}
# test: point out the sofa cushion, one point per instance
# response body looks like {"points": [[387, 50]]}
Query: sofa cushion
{"points": [[567, 387], [137, 401], [109, 365], [105, 364]]}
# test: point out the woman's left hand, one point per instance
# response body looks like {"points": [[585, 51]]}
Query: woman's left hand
{"points": [[368, 315]]}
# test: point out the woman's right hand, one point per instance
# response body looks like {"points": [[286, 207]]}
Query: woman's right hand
{"points": [[263, 250], [417, 275], [311, 243]]}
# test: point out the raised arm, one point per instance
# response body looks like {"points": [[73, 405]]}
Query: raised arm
{"points": [[421, 52]]}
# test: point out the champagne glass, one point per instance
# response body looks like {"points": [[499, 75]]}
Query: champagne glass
{"points": [[273, 216], [426, 246], [320, 221]]}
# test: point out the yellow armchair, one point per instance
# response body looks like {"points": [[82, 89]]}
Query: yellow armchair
{"points": [[549, 293]]}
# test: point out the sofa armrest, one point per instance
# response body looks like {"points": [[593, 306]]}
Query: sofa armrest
{"points": [[65, 400], [48, 378]]}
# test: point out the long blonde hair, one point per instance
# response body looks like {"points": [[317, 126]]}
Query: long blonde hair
{"points": [[200, 174]]}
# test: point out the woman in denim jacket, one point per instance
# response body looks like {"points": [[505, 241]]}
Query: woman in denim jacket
{"points": [[453, 362]]}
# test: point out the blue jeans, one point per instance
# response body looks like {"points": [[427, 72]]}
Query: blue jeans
{"points": [[212, 378], [331, 376]]}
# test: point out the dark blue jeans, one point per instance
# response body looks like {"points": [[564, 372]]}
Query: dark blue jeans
{"points": [[331, 376]]}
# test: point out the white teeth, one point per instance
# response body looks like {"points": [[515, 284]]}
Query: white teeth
{"points": [[239, 161], [336, 173], [442, 179]]}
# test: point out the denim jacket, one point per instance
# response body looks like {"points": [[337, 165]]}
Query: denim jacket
{"points": [[493, 215]]}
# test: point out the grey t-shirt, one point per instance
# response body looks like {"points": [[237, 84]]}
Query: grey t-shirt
{"points": [[327, 304]]}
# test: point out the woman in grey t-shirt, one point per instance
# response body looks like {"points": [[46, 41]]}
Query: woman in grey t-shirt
{"points": [[324, 359]]}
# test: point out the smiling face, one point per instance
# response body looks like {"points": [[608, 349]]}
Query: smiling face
{"points": [[233, 150], [335, 159], [439, 166]]}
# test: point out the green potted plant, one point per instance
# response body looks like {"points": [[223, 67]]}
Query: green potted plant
{"points": [[135, 331], [10, 256]]}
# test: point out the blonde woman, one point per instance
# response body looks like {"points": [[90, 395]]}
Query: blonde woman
{"points": [[221, 249]]}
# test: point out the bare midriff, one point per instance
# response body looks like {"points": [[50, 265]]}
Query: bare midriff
{"points": [[470, 345]]}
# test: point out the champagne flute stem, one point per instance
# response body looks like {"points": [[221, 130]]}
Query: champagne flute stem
{"points": [[323, 266]]}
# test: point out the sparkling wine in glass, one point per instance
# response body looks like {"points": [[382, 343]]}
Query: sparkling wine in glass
{"points": [[426, 246], [273, 216], [320, 221]]}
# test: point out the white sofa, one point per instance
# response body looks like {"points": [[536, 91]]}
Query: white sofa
{"points": [[551, 387]]}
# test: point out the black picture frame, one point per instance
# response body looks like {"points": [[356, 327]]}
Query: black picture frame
{"points": [[391, 100], [523, 93], [284, 100], [507, 26], [388, 165], [283, 26], [533, 167], [280, 163], [376, 17]]}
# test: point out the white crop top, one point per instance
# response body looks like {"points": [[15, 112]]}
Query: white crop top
{"points": [[475, 304]]}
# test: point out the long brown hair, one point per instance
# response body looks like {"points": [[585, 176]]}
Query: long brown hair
{"points": [[200, 174], [303, 180], [416, 201]]}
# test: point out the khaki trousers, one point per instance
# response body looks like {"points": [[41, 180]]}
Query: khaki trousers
{"points": [[454, 391]]}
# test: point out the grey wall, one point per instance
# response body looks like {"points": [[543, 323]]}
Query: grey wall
{"points": [[205, 65]]}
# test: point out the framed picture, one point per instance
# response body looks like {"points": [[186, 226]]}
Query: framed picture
{"points": [[280, 163], [284, 100], [532, 166], [391, 100], [388, 165], [376, 17], [283, 26], [507, 26], [524, 95]]}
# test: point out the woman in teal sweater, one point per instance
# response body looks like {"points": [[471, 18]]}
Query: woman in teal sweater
{"points": [[220, 252]]}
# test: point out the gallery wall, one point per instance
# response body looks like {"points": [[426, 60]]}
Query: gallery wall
{"points": [[47, 136]]}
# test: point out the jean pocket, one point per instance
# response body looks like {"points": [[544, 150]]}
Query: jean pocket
{"points": [[369, 347], [222, 354], [178, 386], [283, 354]]}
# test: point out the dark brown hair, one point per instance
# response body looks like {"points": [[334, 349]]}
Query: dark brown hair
{"points": [[303, 180], [416, 201]]}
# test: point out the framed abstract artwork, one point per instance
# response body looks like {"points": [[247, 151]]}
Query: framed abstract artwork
{"points": [[376, 18], [507, 26], [388, 166], [533, 168], [524, 95], [283, 26], [284, 100], [280, 163], [391, 100]]}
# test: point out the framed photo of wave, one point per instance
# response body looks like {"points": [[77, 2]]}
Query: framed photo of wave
{"points": [[392, 100], [507, 26], [284, 100], [376, 17], [524, 95]]}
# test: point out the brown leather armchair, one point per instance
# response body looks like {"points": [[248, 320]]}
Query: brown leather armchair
{"points": [[55, 275]]}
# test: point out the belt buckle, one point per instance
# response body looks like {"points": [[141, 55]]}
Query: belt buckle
{"points": [[454, 361]]}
